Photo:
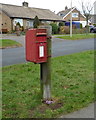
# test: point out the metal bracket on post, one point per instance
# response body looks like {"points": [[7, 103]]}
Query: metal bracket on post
{"points": [[45, 68]]}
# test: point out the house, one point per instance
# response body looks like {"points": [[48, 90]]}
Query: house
{"points": [[93, 16], [11, 14], [76, 15], [93, 19]]}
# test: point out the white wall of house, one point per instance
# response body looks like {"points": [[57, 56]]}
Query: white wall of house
{"points": [[82, 22], [46, 21]]}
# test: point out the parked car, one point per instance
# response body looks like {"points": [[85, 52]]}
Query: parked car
{"points": [[92, 29]]}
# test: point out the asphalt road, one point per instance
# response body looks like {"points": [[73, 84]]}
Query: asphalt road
{"points": [[59, 48]]}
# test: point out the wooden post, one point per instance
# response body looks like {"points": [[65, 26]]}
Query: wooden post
{"points": [[45, 68]]}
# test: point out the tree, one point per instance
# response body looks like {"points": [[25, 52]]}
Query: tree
{"points": [[36, 22], [87, 9], [61, 23], [18, 24]]}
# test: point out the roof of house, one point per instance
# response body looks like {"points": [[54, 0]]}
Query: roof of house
{"points": [[14, 11], [64, 13]]}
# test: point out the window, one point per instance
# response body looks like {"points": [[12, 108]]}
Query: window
{"points": [[29, 23], [75, 15], [61, 14], [18, 20]]}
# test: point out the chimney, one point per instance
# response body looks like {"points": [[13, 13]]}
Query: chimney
{"points": [[25, 4]]}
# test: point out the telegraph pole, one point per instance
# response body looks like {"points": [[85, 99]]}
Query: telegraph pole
{"points": [[71, 21]]}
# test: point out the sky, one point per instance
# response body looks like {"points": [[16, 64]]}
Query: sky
{"points": [[53, 5]]}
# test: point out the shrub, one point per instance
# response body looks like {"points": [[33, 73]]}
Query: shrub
{"points": [[94, 25], [80, 25], [74, 26], [79, 31], [61, 30], [36, 22], [22, 28], [64, 30], [61, 23], [54, 28], [18, 24]]}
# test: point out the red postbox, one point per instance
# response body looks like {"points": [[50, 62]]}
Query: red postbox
{"points": [[36, 45]]}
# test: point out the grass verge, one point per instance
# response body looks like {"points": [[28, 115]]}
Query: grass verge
{"points": [[72, 87], [77, 36], [7, 43]]}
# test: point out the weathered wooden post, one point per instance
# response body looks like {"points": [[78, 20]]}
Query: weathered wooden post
{"points": [[45, 68], [38, 50]]}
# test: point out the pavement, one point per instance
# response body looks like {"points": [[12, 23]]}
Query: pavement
{"points": [[63, 47], [87, 112]]}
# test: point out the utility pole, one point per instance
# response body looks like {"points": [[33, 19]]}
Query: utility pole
{"points": [[71, 21]]}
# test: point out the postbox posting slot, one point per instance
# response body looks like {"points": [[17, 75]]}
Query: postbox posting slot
{"points": [[41, 34], [41, 37], [41, 42]]}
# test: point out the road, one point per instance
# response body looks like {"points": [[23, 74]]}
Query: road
{"points": [[59, 48]]}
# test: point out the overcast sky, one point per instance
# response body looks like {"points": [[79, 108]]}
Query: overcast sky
{"points": [[53, 5]]}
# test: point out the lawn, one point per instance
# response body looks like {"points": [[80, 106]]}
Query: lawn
{"points": [[77, 36], [7, 43], [72, 87]]}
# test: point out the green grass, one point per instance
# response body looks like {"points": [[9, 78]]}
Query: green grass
{"points": [[5, 43], [72, 87], [77, 36]]}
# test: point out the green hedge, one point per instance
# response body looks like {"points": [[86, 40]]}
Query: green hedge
{"points": [[54, 28]]}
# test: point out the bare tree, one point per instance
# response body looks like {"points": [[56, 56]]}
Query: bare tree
{"points": [[87, 9]]}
